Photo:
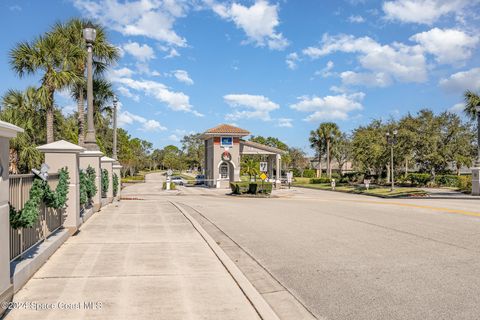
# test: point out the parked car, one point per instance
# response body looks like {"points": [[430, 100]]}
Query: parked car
{"points": [[177, 180], [199, 179]]}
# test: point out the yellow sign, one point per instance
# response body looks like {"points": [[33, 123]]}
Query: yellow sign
{"points": [[263, 176]]}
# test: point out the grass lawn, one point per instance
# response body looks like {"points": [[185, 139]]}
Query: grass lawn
{"points": [[383, 192]]}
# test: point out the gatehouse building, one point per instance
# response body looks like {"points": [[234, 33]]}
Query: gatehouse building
{"points": [[224, 148]]}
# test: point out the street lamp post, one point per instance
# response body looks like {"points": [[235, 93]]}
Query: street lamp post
{"points": [[477, 109], [476, 167], [115, 101], [392, 140], [89, 34]]}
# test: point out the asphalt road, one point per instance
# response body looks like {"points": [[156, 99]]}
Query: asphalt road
{"points": [[356, 257]]}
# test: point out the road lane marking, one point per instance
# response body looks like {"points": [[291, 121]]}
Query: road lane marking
{"points": [[432, 208]]}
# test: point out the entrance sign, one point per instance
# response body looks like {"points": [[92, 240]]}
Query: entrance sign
{"points": [[263, 166], [263, 176], [226, 141]]}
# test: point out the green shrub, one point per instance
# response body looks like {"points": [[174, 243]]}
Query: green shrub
{"points": [[251, 187], [90, 185], [465, 183], [447, 180], [309, 173], [320, 180], [172, 186], [352, 177], [105, 183], [83, 188], [115, 184], [419, 179]]}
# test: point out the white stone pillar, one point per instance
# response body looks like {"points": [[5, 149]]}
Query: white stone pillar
{"points": [[279, 169], [60, 154], [7, 131], [475, 181], [107, 164], [117, 169], [92, 158]]}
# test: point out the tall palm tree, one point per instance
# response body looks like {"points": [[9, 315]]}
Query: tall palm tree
{"points": [[472, 100], [51, 55], [24, 110], [329, 132], [104, 54], [316, 143]]}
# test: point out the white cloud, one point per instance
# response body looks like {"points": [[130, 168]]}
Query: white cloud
{"points": [[399, 61], [122, 72], [182, 76], [461, 81], [174, 137], [258, 21], [172, 54], [422, 11], [448, 45], [379, 79], [127, 93], [292, 60], [330, 107], [457, 108], [326, 72], [356, 19], [141, 52], [69, 109], [249, 106], [126, 118], [284, 122], [15, 8], [176, 101], [149, 18]]}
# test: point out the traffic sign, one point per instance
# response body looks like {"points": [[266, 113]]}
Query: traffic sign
{"points": [[263, 176], [263, 166], [169, 172]]}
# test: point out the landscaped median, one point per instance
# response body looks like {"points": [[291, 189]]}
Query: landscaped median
{"points": [[382, 192]]}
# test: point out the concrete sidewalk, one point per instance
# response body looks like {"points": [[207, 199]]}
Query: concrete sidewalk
{"points": [[138, 259]]}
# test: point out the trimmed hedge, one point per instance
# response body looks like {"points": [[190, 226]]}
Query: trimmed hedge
{"points": [[320, 180], [251, 187], [172, 186]]}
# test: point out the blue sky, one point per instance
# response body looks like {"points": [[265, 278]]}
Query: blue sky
{"points": [[276, 68]]}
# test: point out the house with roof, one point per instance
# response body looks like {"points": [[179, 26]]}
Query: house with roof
{"points": [[224, 148]]}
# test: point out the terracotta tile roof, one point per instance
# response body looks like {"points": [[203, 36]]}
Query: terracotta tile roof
{"points": [[227, 129]]}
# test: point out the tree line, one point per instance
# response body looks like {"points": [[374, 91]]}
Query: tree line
{"points": [[59, 58]]}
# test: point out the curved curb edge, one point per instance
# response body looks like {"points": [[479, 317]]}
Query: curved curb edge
{"points": [[258, 302]]}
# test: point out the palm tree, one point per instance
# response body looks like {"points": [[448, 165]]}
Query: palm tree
{"points": [[316, 143], [24, 110], [329, 132], [48, 53], [472, 100], [250, 167], [104, 54]]}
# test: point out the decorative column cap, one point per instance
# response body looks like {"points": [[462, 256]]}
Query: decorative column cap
{"points": [[9, 130], [107, 159], [60, 146], [91, 153]]}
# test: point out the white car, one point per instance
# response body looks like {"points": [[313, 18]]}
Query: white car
{"points": [[179, 181]]}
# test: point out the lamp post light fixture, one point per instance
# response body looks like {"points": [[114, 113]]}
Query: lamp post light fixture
{"points": [[477, 109], [89, 34], [392, 140], [115, 101]]}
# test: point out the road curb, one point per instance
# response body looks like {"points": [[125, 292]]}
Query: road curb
{"points": [[258, 302]]}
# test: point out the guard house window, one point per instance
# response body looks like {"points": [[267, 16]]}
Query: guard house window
{"points": [[223, 171]]}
